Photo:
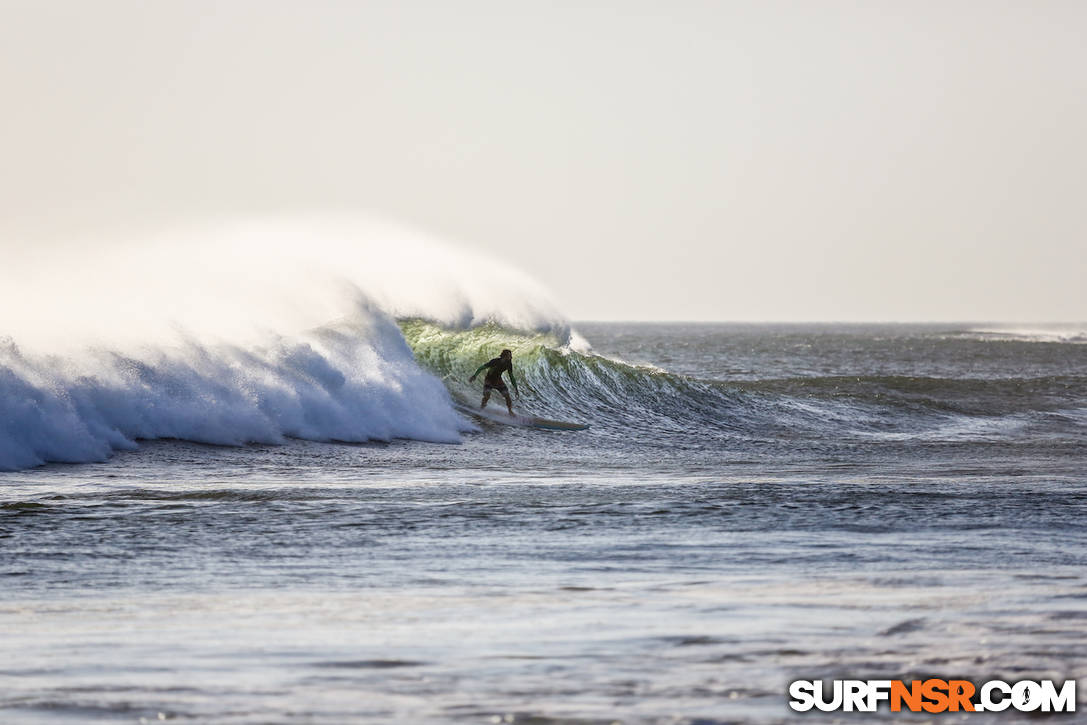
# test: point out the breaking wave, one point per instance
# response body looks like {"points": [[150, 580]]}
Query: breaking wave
{"points": [[1064, 333], [251, 331], [354, 330]]}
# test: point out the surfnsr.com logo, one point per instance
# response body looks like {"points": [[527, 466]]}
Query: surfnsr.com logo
{"points": [[933, 695]]}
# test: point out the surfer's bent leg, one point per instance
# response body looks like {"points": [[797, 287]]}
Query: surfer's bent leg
{"points": [[509, 402], [486, 397]]}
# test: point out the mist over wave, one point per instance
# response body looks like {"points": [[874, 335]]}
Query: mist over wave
{"points": [[240, 281], [249, 331]]}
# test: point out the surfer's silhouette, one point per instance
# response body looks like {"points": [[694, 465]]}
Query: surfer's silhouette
{"points": [[493, 380]]}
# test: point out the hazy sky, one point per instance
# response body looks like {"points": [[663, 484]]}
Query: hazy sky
{"points": [[644, 160]]}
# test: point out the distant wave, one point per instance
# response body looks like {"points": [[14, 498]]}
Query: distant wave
{"points": [[1076, 334], [245, 332]]}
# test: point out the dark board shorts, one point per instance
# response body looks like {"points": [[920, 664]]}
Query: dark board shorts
{"points": [[499, 386]]}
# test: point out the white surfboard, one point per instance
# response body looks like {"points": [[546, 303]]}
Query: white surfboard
{"points": [[496, 414]]}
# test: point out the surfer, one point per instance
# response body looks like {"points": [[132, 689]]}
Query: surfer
{"points": [[493, 381]]}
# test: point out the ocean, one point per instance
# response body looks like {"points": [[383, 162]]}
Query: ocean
{"points": [[308, 532]]}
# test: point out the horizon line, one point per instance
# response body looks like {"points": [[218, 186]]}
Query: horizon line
{"points": [[827, 322]]}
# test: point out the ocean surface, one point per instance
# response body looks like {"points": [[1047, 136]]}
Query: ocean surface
{"points": [[309, 533]]}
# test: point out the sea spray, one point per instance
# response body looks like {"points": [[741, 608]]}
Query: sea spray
{"points": [[240, 281]]}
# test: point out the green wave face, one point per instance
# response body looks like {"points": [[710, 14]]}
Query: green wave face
{"points": [[558, 382], [453, 355]]}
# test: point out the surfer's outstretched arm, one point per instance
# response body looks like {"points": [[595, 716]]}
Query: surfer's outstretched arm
{"points": [[514, 381], [481, 367]]}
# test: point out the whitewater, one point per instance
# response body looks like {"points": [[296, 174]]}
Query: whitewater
{"points": [[236, 489]]}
